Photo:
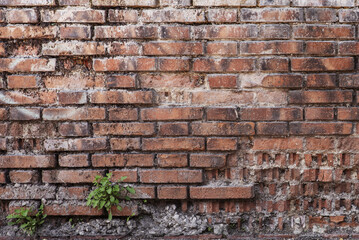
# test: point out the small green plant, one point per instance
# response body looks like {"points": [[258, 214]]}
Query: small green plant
{"points": [[108, 194], [27, 219]]}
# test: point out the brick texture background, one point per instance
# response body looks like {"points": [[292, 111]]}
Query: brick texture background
{"points": [[236, 106]]}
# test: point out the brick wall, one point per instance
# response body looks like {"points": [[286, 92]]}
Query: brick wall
{"points": [[242, 107]]}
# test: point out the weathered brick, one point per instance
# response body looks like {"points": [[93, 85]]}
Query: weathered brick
{"points": [[24, 176], [22, 81], [167, 80], [169, 192], [27, 65], [222, 98], [73, 15], [321, 81], [130, 174], [27, 161], [173, 129], [74, 114], [74, 2], [320, 15], [74, 160], [28, 32], [73, 144], [240, 192], [127, 129], [122, 160], [168, 144], [222, 128], [13, 3], [125, 144], [72, 193], [320, 144], [70, 176], [173, 64], [272, 128], [24, 114], [208, 160], [321, 48], [173, 15], [122, 97], [172, 160], [76, 81], [72, 48], [175, 32], [271, 15], [171, 114], [278, 143], [21, 16], [222, 81], [224, 3], [68, 98], [225, 32], [171, 176], [26, 191], [282, 81], [223, 114], [271, 114], [124, 64], [222, 15], [74, 129], [274, 3], [126, 16], [274, 64], [123, 114], [323, 3], [70, 209], [136, 32], [124, 3], [348, 15], [323, 32], [319, 113], [75, 32], [271, 47], [124, 48]]}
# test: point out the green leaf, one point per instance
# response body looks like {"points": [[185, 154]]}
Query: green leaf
{"points": [[131, 190]]}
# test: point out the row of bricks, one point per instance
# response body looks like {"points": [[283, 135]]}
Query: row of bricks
{"points": [[148, 98], [207, 3], [76, 95], [210, 65], [164, 48], [202, 32], [244, 15]]}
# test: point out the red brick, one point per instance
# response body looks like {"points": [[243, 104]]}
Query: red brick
{"points": [[73, 15], [177, 192], [125, 144], [118, 32], [164, 80], [272, 128], [224, 3], [27, 65], [75, 144], [221, 144], [70, 209], [222, 129], [208, 161], [74, 160], [27, 98], [126, 129], [21, 16], [278, 143], [322, 64], [224, 65], [222, 15], [282, 81], [34, 3], [242, 31], [173, 64], [27, 161], [171, 114], [2, 177], [271, 15], [70, 176], [272, 47], [123, 114], [69, 193], [124, 64], [170, 144], [173, 15], [28, 32], [322, 3], [222, 81], [173, 129], [24, 176], [172, 160], [171, 176], [275, 31], [124, 48], [31, 130], [68, 98], [24, 114], [124, 3], [175, 32], [222, 48], [349, 81], [320, 15], [242, 192], [75, 81], [320, 144], [74, 129], [75, 32], [325, 175], [348, 114], [181, 3], [320, 97], [143, 193], [321, 81], [74, 114], [74, 2], [319, 113], [130, 174], [125, 16], [122, 160], [22, 81], [323, 32], [72, 48], [274, 64], [122, 97], [173, 48], [311, 128], [320, 48], [223, 114], [348, 15]]}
